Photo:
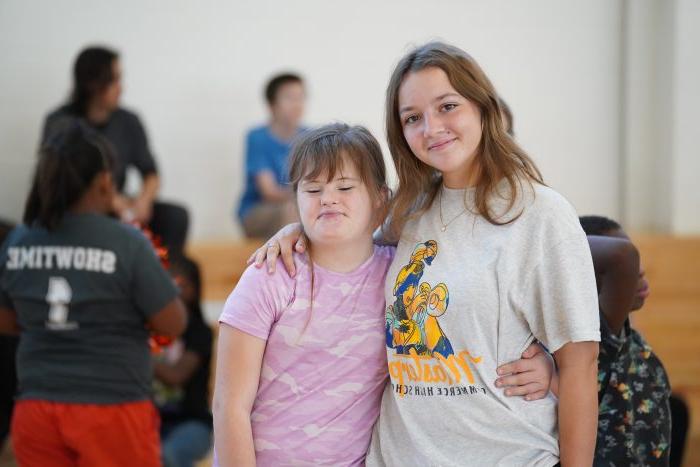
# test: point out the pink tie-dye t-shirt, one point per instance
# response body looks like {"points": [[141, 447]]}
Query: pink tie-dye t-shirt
{"points": [[324, 369]]}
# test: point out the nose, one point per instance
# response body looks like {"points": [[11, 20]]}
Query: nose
{"points": [[432, 125], [328, 198]]}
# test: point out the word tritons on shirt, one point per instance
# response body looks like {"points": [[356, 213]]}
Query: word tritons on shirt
{"points": [[61, 257]]}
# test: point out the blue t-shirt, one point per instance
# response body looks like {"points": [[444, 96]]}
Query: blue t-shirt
{"points": [[264, 152]]}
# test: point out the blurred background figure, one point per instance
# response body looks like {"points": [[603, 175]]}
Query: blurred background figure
{"points": [[181, 385], [267, 203], [80, 289], [95, 97]]}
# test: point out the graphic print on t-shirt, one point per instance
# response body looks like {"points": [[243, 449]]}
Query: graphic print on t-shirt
{"points": [[423, 351]]}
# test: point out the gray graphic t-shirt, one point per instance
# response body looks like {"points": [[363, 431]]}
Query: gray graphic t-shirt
{"points": [[82, 294], [463, 300]]}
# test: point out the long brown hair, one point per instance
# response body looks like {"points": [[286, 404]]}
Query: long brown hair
{"points": [[498, 155], [325, 150]]}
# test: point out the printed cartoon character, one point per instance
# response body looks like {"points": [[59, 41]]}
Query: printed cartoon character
{"points": [[412, 320]]}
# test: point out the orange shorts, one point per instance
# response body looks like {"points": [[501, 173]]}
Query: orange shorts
{"points": [[61, 434]]}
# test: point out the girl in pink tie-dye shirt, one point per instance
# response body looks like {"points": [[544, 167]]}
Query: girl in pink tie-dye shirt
{"points": [[302, 360]]}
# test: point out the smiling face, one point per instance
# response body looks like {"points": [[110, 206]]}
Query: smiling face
{"points": [[442, 128], [338, 211]]}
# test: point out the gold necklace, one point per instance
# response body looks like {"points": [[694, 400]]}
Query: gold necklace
{"points": [[444, 226]]}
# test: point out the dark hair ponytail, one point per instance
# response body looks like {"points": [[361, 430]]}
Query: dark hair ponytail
{"points": [[68, 163], [92, 73]]}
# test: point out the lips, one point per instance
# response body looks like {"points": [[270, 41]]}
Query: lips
{"points": [[441, 144], [643, 291], [330, 215]]}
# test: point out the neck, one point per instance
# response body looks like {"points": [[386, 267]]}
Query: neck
{"points": [[97, 114], [465, 179], [89, 205], [283, 130], [342, 258]]}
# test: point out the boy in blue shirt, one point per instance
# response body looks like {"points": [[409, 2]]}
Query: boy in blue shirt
{"points": [[266, 204]]}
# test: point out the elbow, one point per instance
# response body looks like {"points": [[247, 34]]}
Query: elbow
{"points": [[171, 321]]}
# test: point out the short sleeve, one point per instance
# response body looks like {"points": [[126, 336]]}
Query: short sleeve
{"points": [[558, 298], [152, 286], [142, 158], [256, 158], [256, 302]]}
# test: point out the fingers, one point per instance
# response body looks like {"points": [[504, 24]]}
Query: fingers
{"points": [[518, 366], [259, 256], [519, 379], [288, 258], [532, 350], [537, 395], [272, 252], [524, 390], [300, 246]]}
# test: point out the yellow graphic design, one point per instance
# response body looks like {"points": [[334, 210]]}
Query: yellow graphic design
{"points": [[424, 353]]}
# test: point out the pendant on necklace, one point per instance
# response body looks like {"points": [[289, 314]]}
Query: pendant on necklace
{"points": [[443, 228]]}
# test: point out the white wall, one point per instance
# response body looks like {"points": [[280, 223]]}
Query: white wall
{"points": [[662, 111], [195, 70], [686, 118]]}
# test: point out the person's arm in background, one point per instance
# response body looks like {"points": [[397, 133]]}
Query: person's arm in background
{"points": [[142, 205], [140, 208], [269, 188], [616, 264], [179, 372], [577, 363], [258, 164], [171, 320], [238, 369], [530, 377]]}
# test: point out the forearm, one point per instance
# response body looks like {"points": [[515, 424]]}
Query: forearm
{"points": [[578, 414], [166, 374], [276, 194], [233, 429], [150, 187]]}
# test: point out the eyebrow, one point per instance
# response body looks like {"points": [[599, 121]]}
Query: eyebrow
{"points": [[438, 98], [317, 180]]}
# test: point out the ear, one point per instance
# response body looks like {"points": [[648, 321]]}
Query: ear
{"points": [[105, 183]]}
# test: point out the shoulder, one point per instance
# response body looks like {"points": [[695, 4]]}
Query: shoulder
{"points": [[545, 199], [279, 280], [58, 119], [119, 234], [127, 117], [385, 253], [16, 235], [258, 133], [546, 211], [60, 112]]}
